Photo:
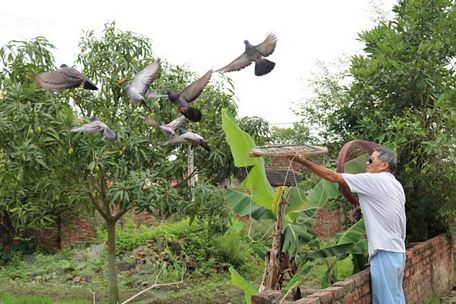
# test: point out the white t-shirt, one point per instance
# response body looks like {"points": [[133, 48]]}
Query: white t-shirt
{"points": [[382, 202]]}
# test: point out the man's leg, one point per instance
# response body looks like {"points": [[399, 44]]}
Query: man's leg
{"points": [[387, 273]]}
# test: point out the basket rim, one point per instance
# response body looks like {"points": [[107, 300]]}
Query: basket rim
{"points": [[288, 150]]}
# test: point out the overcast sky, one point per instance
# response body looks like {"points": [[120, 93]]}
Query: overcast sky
{"points": [[209, 34]]}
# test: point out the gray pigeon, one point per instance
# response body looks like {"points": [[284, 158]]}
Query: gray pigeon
{"points": [[170, 128], [190, 93], [254, 54], [137, 89], [96, 126], [62, 79], [187, 137]]}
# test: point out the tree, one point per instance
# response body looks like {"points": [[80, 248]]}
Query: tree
{"points": [[133, 172], [299, 133], [34, 144], [402, 95]]}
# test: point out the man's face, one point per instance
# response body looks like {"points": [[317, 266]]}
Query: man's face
{"points": [[375, 165]]}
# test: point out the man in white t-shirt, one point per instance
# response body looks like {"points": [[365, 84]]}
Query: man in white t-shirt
{"points": [[382, 202]]}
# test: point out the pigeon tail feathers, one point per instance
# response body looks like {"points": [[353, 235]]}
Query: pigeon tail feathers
{"points": [[192, 114], [264, 67], [89, 85], [205, 146]]}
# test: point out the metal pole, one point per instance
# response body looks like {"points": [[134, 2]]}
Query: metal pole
{"points": [[190, 166]]}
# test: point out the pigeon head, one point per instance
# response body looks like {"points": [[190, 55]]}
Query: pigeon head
{"points": [[63, 65]]}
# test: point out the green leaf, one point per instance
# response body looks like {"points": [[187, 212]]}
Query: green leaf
{"points": [[322, 193], [297, 200], [336, 250], [295, 281], [356, 165], [241, 144], [242, 204], [293, 237], [352, 234], [238, 281]]}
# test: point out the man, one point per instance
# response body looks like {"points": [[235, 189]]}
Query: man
{"points": [[382, 202]]}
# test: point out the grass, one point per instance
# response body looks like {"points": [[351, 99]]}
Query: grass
{"points": [[8, 298], [216, 289], [75, 275]]}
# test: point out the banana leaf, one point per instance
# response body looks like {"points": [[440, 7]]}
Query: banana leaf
{"points": [[241, 144], [352, 234], [293, 236], [242, 204], [322, 193], [238, 281]]}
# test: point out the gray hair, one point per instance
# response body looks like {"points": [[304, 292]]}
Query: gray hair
{"points": [[387, 155]]}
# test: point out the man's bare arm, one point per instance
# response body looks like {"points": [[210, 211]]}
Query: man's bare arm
{"points": [[322, 172]]}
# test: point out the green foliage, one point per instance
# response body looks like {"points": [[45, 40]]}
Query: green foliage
{"points": [[34, 144], [400, 93], [241, 144], [241, 203], [15, 299], [132, 237], [230, 248], [239, 281], [257, 127], [299, 133]]}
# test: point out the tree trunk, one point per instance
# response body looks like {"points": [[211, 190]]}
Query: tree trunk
{"points": [[112, 268], [8, 229], [58, 222], [274, 259]]}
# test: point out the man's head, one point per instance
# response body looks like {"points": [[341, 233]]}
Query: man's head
{"points": [[382, 160]]}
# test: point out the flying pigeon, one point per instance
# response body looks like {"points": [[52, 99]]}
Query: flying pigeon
{"points": [[170, 128], [137, 89], [187, 137], [96, 126], [190, 93], [254, 53], [63, 78]]}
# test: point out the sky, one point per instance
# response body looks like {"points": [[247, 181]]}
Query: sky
{"points": [[204, 34]]}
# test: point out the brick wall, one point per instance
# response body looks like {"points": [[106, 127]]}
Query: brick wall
{"points": [[80, 231], [329, 222], [429, 270]]}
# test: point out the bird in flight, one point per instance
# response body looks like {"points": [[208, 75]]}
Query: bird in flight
{"points": [[186, 137], [137, 89], [254, 53], [96, 126], [183, 99], [63, 78]]}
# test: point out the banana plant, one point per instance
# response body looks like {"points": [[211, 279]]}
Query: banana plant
{"points": [[292, 210]]}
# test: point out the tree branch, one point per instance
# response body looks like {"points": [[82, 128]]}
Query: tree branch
{"points": [[155, 285]]}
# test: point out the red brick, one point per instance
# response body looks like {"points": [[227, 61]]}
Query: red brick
{"points": [[308, 300], [347, 284]]}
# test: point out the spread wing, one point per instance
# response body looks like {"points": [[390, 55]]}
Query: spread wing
{"points": [[144, 78], [192, 91], [267, 46], [177, 123], [237, 64], [61, 79]]}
